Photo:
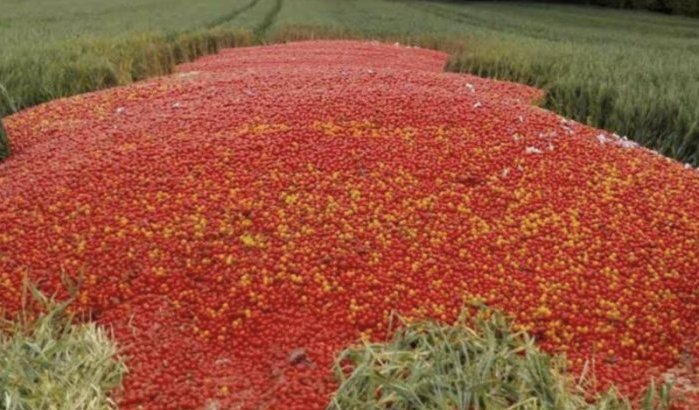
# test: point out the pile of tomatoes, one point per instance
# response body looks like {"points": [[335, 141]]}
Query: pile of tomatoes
{"points": [[241, 221]]}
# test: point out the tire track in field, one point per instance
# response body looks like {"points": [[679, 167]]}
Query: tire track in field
{"points": [[232, 15], [261, 29]]}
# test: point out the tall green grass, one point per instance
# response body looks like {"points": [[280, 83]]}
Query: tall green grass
{"points": [[27, 25], [49, 361], [4, 143], [479, 363], [76, 67], [302, 32]]}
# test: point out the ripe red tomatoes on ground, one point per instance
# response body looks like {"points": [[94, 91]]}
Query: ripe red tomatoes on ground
{"points": [[241, 221]]}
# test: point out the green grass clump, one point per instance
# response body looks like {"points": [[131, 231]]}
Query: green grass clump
{"points": [[484, 366], [4, 143], [50, 362]]}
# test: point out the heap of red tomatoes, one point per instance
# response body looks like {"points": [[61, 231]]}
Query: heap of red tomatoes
{"points": [[241, 221]]}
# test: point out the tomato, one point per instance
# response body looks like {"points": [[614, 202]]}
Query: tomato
{"points": [[270, 199]]}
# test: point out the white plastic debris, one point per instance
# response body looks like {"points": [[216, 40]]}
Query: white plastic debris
{"points": [[188, 74], [521, 119], [533, 150], [176, 105], [566, 126], [626, 143], [470, 87], [516, 136], [477, 104], [505, 172], [120, 110], [602, 139]]}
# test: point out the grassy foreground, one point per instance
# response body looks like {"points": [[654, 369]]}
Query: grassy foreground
{"points": [[49, 361], [92, 64], [4, 143], [487, 365]]}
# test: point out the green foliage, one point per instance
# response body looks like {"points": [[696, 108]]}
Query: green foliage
{"points": [[40, 24], [4, 143], [269, 18], [483, 365], [29, 78], [49, 362]]}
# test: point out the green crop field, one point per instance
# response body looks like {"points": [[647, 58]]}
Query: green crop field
{"points": [[632, 72]]}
